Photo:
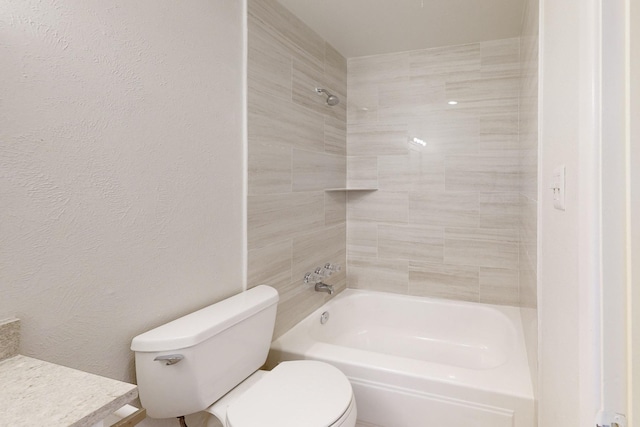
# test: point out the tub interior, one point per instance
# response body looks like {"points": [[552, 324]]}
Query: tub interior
{"points": [[440, 332], [416, 361]]}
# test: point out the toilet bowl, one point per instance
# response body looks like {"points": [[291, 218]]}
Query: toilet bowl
{"points": [[293, 394], [209, 360]]}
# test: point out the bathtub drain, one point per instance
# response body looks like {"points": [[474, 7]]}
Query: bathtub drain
{"points": [[324, 317]]}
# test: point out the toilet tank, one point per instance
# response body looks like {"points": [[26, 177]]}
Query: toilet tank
{"points": [[217, 347]]}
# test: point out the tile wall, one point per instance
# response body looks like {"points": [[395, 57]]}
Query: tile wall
{"points": [[297, 148], [455, 213], [529, 183], [445, 220], [529, 156]]}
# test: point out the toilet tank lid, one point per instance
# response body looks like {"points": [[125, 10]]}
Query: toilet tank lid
{"points": [[198, 326]]}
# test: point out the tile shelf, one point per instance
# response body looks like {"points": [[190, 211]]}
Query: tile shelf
{"points": [[351, 189]]}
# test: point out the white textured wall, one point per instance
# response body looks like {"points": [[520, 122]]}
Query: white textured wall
{"points": [[121, 170]]}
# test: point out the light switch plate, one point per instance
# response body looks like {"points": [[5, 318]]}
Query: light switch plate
{"points": [[558, 188]]}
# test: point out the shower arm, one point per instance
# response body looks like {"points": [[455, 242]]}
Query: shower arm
{"points": [[332, 100]]}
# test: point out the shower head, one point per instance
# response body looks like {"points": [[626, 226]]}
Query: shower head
{"points": [[331, 99]]}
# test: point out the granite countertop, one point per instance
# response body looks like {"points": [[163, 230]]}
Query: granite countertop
{"points": [[38, 393]]}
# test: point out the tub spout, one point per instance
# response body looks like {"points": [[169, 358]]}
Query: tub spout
{"points": [[323, 287]]}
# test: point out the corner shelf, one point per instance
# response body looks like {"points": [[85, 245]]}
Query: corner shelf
{"points": [[350, 189]]}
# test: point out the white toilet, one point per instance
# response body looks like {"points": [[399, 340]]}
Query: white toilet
{"points": [[209, 361]]}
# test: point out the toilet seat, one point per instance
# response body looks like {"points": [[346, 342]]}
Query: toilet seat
{"points": [[294, 394]]}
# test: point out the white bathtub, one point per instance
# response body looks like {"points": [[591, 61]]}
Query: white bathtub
{"points": [[417, 362]]}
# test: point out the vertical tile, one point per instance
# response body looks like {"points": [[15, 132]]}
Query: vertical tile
{"points": [[335, 69], [389, 207], [395, 173], [317, 248], [270, 265], [499, 132], [362, 239], [427, 168], [305, 81], [278, 217], [379, 275], [317, 171], [362, 172], [483, 173], [444, 281], [335, 208], [335, 136], [528, 252], [290, 32], [367, 140], [500, 58], [485, 247], [499, 286], [269, 66], [529, 169], [272, 121], [450, 63], [411, 242], [486, 95], [499, 210], [379, 68], [269, 168], [362, 106], [444, 209], [420, 171], [528, 141], [528, 226], [401, 102], [482, 90], [528, 285], [411, 94], [447, 132]]}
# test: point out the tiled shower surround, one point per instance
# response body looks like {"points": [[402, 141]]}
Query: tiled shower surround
{"points": [[444, 221], [529, 183], [297, 148], [448, 216], [529, 156]]}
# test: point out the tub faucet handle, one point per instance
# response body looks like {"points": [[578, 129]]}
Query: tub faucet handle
{"points": [[312, 277], [332, 268]]}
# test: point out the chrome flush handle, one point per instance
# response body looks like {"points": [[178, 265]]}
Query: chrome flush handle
{"points": [[170, 359]]}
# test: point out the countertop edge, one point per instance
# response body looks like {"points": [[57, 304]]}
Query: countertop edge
{"points": [[107, 410], [9, 338]]}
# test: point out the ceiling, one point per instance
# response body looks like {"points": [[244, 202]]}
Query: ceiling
{"points": [[371, 27]]}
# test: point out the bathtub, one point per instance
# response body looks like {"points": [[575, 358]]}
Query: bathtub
{"points": [[417, 362]]}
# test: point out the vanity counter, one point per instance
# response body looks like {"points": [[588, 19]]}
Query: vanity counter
{"points": [[37, 393], [43, 394]]}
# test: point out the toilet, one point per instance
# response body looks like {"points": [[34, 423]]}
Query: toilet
{"points": [[209, 361]]}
